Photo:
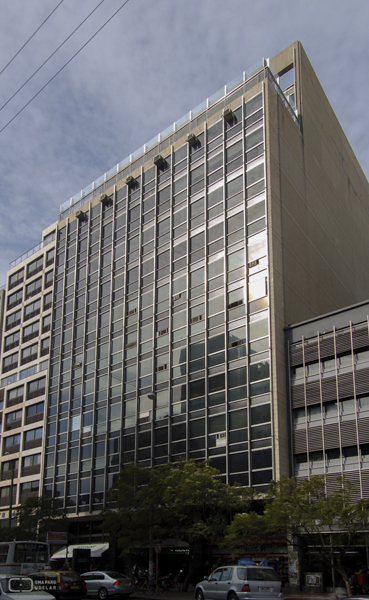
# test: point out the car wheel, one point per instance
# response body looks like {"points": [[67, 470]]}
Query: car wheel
{"points": [[199, 595], [232, 596], [102, 593]]}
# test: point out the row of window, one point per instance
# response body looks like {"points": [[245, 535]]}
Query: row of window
{"points": [[331, 365], [30, 311], [333, 456], [328, 410], [30, 465], [31, 289], [31, 439], [32, 269]]}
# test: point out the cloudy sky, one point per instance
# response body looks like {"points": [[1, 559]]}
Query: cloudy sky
{"points": [[154, 61]]}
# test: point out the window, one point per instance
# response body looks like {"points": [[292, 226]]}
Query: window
{"points": [[14, 395], [15, 299], [30, 331], [28, 354], [36, 388], [13, 417], [31, 461], [31, 310], [15, 279], [34, 288], [33, 434], [48, 298], [13, 320], [11, 341], [49, 277], [11, 441], [35, 266], [10, 362], [46, 324]]}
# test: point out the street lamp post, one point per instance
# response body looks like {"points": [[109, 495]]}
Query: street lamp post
{"points": [[151, 396], [11, 492]]}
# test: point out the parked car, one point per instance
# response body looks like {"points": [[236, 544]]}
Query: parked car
{"points": [[240, 583], [13, 587], [62, 584], [102, 584]]}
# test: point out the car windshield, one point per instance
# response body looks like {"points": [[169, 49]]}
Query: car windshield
{"points": [[17, 584], [257, 574], [69, 576]]}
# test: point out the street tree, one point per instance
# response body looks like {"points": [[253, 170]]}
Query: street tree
{"points": [[38, 515], [186, 500], [330, 524]]}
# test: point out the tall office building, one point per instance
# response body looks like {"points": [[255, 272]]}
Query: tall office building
{"points": [[175, 275]]}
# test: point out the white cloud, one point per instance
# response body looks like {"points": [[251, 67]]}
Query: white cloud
{"points": [[151, 64]]}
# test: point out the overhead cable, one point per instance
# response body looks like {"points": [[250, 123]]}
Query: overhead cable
{"points": [[29, 39], [51, 55], [63, 67]]}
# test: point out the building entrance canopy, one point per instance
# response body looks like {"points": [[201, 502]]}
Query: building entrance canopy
{"points": [[96, 550]]}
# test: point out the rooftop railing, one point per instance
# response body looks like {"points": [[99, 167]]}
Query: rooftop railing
{"points": [[240, 84], [45, 242]]}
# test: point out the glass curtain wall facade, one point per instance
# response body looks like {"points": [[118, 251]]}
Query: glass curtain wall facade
{"points": [[160, 340]]}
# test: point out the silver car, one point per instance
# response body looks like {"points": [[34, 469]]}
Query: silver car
{"points": [[13, 587], [240, 583], [102, 584]]}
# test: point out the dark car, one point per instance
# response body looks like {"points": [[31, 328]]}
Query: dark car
{"points": [[62, 584], [101, 584], [236, 582]]}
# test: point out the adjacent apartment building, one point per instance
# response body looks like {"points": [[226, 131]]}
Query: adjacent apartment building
{"points": [[328, 363], [175, 275]]}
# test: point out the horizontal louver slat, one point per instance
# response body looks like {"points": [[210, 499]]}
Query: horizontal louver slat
{"points": [[345, 385], [363, 426], [348, 433], [343, 342], [360, 338], [331, 436], [297, 396], [362, 381], [299, 441], [315, 438], [296, 355], [326, 347]]}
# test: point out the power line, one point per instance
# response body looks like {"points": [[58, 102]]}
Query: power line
{"points": [[63, 67], [51, 55], [29, 39]]}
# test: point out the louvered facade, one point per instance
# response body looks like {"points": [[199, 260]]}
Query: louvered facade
{"points": [[328, 367]]}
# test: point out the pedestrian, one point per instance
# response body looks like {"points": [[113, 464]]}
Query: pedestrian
{"points": [[365, 583]]}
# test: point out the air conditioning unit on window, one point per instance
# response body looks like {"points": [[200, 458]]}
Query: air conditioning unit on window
{"points": [[192, 139], [221, 439], [228, 115], [80, 215], [131, 181], [159, 161], [104, 199]]}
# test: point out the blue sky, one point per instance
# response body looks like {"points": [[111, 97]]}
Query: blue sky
{"points": [[155, 61]]}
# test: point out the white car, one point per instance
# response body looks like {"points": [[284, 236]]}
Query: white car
{"points": [[14, 587], [238, 582]]}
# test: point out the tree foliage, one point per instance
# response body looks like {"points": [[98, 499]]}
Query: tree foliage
{"points": [[36, 516], [331, 524], [187, 501]]}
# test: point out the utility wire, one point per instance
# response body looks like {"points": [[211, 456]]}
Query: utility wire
{"points": [[29, 39], [51, 55], [63, 67]]}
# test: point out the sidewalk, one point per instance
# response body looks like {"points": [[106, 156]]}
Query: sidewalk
{"points": [[288, 594]]}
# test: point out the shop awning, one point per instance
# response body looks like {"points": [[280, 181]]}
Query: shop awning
{"points": [[96, 550]]}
